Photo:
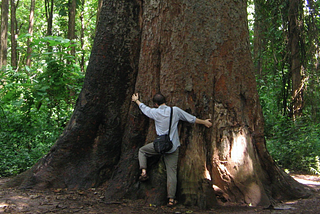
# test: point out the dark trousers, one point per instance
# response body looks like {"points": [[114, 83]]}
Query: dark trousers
{"points": [[171, 162]]}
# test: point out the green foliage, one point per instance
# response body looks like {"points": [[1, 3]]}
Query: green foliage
{"points": [[293, 142], [36, 104], [296, 145], [24, 139], [85, 29]]}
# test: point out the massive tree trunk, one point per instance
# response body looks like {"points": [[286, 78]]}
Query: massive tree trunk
{"points": [[197, 54], [89, 148]]}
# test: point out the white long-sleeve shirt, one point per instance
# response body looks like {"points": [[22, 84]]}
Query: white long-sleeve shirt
{"points": [[161, 116]]}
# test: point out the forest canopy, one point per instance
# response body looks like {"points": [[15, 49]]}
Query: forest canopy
{"points": [[44, 59]]}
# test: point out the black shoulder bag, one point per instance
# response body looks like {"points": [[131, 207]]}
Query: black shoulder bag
{"points": [[162, 143]]}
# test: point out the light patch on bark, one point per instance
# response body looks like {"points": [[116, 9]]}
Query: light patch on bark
{"points": [[238, 167], [83, 100]]}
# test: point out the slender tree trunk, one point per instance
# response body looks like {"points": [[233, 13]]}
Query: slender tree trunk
{"points": [[314, 50], [197, 54], [4, 32], [14, 58], [258, 36], [49, 15], [30, 31], [82, 36], [72, 23], [295, 50]]}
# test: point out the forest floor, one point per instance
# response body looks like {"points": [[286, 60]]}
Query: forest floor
{"points": [[92, 201]]}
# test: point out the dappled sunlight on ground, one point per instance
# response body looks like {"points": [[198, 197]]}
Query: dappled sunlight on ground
{"points": [[310, 180], [313, 182], [92, 201]]}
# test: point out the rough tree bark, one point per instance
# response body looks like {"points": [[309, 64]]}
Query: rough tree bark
{"points": [[197, 54]]}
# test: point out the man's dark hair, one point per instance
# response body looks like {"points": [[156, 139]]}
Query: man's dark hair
{"points": [[159, 99]]}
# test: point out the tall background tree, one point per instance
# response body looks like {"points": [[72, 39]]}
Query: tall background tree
{"points": [[197, 54], [82, 29], [30, 32], [296, 48], [4, 32], [49, 5], [72, 22], [14, 33]]}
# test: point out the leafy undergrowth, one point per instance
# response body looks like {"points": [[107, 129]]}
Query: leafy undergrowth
{"points": [[92, 201]]}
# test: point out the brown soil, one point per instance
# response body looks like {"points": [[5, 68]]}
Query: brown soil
{"points": [[92, 201]]}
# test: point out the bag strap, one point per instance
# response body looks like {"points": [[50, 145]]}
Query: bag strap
{"points": [[170, 121]]}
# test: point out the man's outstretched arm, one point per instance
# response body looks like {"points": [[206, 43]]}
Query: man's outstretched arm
{"points": [[206, 122], [135, 98]]}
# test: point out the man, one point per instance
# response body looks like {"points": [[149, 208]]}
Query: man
{"points": [[161, 116]]}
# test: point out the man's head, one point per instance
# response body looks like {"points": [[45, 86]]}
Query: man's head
{"points": [[159, 99]]}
